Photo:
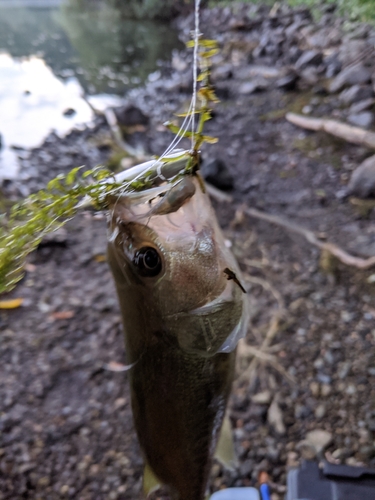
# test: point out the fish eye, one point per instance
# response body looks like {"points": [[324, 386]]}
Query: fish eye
{"points": [[148, 261]]}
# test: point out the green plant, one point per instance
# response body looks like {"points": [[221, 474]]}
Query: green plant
{"points": [[47, 210]]}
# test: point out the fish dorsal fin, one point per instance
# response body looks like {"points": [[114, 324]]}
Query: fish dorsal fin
{"points": [[225, 453], [150, 482]]}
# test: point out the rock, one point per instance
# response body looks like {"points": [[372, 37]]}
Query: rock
{"points": [[275, 417], [69, 112], [360, 106], [130, 116], [310, 75], [363, 120], [319, 439], [256, 85], [325, 390], [309, 58], [217, 173], [356, 93], [288, 82], [362, 181], [351, 390], [352, 51], [307, 450], [333, 65], [222, 72], [301, 411], [324, 379], [320, 411], [262, 398], [315, 389], [350, 76]]}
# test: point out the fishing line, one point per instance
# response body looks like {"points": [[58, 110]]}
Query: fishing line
{"points": [[189, 119], [195, 69]]}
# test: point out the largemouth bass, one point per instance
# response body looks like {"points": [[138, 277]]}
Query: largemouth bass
{"points": [[183, 312]]}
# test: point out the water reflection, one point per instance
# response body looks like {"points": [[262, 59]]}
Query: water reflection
{"points": [[50, 56], [114, 53]]}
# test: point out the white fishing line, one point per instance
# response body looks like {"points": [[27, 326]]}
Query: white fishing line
{"points": [[189, 119], [195, 69]]}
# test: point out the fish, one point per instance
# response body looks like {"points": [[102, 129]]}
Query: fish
{"points": [[183, 310]]}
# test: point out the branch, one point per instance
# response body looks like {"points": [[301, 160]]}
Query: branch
{"points": [[310, 236], [346, 132]]}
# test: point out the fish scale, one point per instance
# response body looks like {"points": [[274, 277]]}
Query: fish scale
{"points": [[176, 442]]}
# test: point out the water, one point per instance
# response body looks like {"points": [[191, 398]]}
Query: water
{"points": [[54, 52]]}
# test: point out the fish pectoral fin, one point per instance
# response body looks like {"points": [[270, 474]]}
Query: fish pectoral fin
{"points": [[225, 453], [150, 482]]}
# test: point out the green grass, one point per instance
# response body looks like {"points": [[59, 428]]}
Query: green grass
{"points": [[359, 10]]}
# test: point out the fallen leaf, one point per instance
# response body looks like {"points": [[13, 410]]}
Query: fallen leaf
{"points": [[100, 258], [62, 314], [11, 303]]}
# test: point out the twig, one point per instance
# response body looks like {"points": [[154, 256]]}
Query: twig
{"points": [[343, 256], [117, 135], [218, 194], [261, 354], [355, 135], [267, 286], [110, 117], [339, 253]]}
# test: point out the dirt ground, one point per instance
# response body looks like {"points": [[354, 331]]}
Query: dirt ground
{"points": [[65, 417]]}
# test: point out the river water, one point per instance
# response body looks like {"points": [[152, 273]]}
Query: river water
{"points": [[55, 52]]}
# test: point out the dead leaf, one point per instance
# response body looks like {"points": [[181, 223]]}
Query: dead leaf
{"points": [[100, 258], [11, 303]]}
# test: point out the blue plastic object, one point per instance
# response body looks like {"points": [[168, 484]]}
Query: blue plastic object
{"points": [[265, 492], [236, 494]]}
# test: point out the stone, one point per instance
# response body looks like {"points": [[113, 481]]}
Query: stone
{"points": [[307, 450], [222, 72], [320, 411], [217, 173], [310, 75], [325, 390], [309, 58], [363, 105], [363, 120], [262, 398], [69, 112], [353, 75], [288, 82], [256, 85], [130, 116], [362, 181], [356, 93], [333, 65], [352, 51], [275, 418], [319, 439]]}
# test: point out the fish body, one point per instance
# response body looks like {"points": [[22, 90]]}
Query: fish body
{"points": [[182, 318]]}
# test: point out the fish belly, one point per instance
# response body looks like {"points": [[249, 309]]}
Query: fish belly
{"points": [[179, 403]]}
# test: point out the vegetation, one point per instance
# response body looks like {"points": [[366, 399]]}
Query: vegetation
{"points": [[50, 208]]}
